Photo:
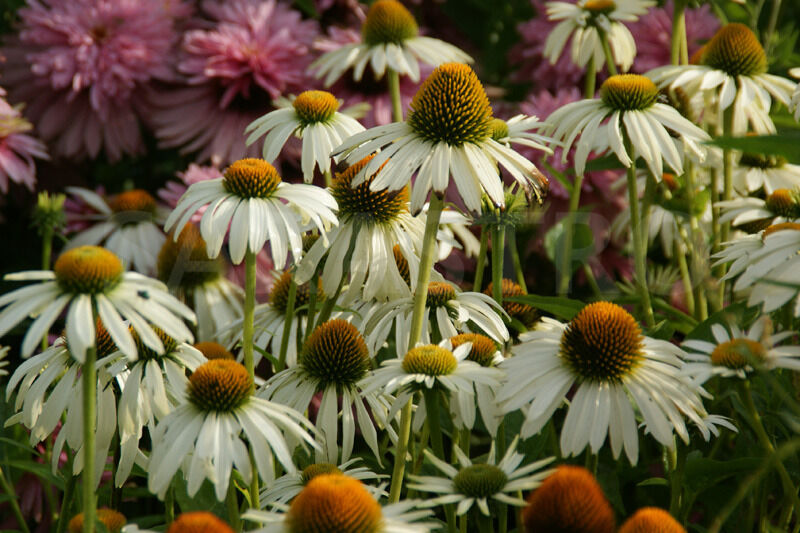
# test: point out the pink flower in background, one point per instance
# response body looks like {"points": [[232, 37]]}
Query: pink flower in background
{"points": [[653, 32], [80, 65], [17, 148], [528, 56], [252, 52], [173, 190], [368, 89]]}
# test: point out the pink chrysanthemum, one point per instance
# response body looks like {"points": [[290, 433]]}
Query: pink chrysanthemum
{"points": [[80, 65], [17, 148], [368, 89], [252, 52], [653, 31], [173, 190], [528, 56]]}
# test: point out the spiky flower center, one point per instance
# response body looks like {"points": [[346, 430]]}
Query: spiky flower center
{"points": [[431, 360], [402, 264], [88, 270], [451, 107], [214, 350], [315, 106], [628, 92], [738, 353], [651, 520], [220, 385], [279, 295], [599, 7], [602, 343], [336, 353], [439, 293], [113, 520], [483, 348], [199, 522], [571, 500], [761, 161], [388, 21], [317, 469], [103, 342], [185, 262], [135, 200], [735, 50], [499, 129], [480, 481], [791, 226], [145, 352], [333, 503], [251, 178], [522, 312], [784, 202], [363, 204]]}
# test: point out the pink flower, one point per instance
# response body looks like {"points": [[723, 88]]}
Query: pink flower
{"points": [[653, 33], [251, 53], [17, 148], [173, 190], [528, 55], [369, 90], [80, 66]]}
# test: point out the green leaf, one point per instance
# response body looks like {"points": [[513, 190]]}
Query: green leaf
{"points": [[563, 308], [583, 243], [702, 473], [786, 145], [653, 481], [738, 313]]}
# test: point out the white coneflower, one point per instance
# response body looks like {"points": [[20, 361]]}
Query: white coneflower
{"points": [[127, 224], [203, 435], [448, 311], [469, 483], [484, 352], [603, 353], [285, 488], [88, 278], [247, 205], [732, 69], [735, 349], [187, 270], [637, 121], [589, 23], [313, 117], [341, 504], [448, 134], [378, 220], [454, 232], [756, 171], [389, 39], [333, 361], [781, 205]]}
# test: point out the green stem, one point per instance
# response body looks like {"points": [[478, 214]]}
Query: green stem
{"points": [[484, 523], [169, 507], [232, 503], [66, 500], [678, 32], [425, 267], [727, 192], [254, 490], [639, 252], [676, 460], [312, 305], [330, 300], [591, 462], [587, 271], [515, 260], [8, 488], [648, 198], [249, 310], [590, 81], [498, 240], [403, 435], [394, 92], [610, 65], [47, 252], [288, 318], [701, 305], [433, 418], [770, 31], [565, 262], [89, 378], [481, 264], [688, 289]]}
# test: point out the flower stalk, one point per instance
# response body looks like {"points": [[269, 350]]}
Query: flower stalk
{"points": [[565, 262], [480, 266], [89, 379], [393, 79], [249, 310]]}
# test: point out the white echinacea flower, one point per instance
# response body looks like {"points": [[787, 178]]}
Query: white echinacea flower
{"points": [[313, 117]]}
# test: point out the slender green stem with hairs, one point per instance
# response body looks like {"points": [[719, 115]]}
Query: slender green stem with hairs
{"points": [[639, 251], [688, 288], [590, 81], [288, 318], [515, 260], [312, 305], [678, 38], [8, 488], [169, 506], [433, 418], [393, 79], [498, 240], [610, 64], [727, 194], [249, 310], [89, 378], [676, 461], [232, 503], [481, 264], [564, 263], [403, 435]]}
